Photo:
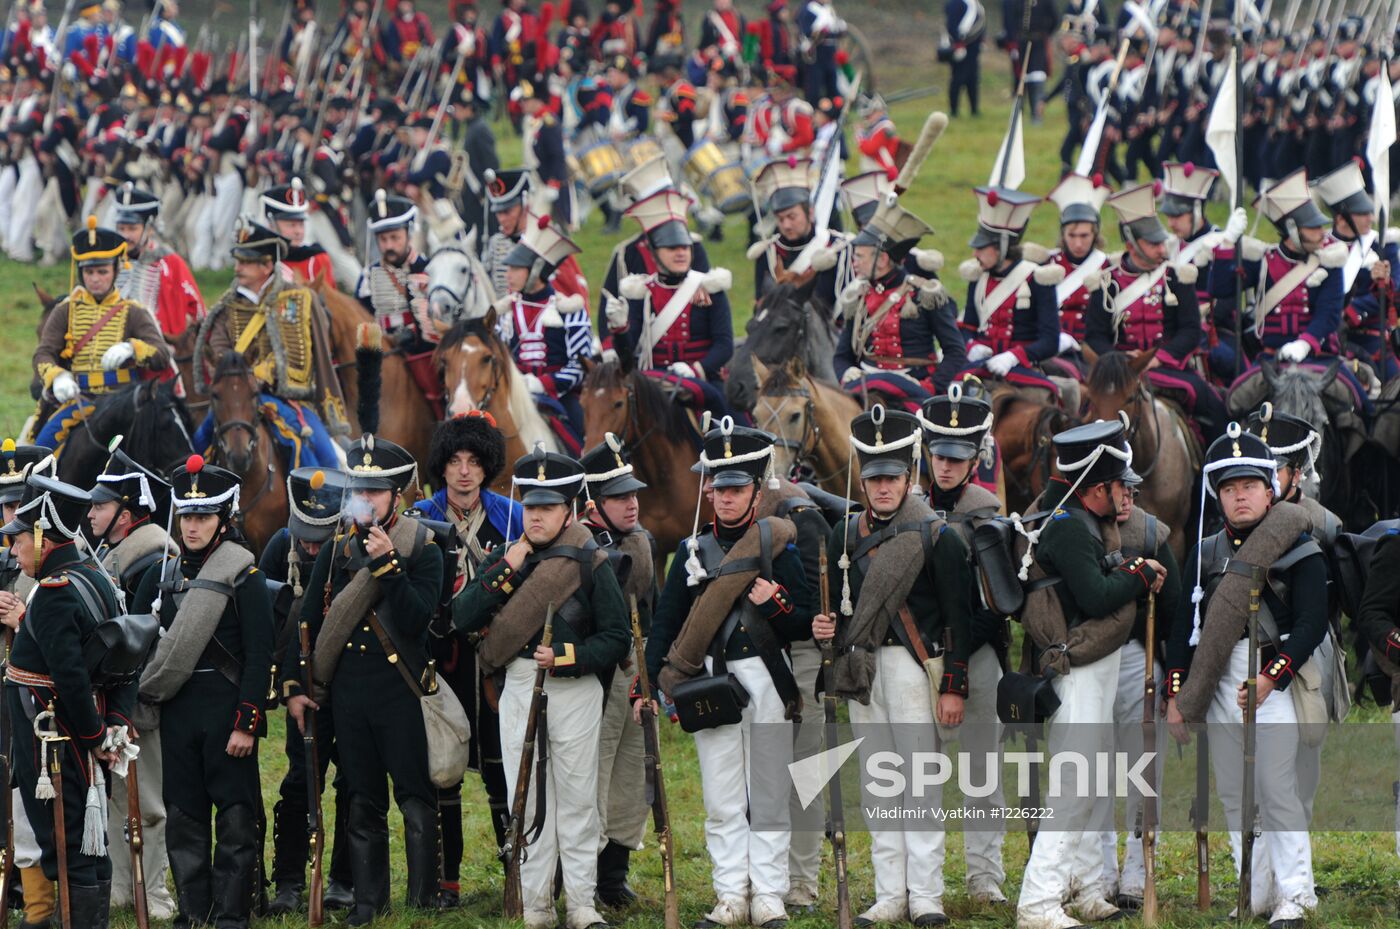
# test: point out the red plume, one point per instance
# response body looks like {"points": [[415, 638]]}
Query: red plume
{"points": [[145, 58], [543, 223], [639, 9], [84, 66], [1097, 179], [546, 15], [993, 198], [842, 57], [181, 55], [194, 464], [199, 68], [564, 12], [92, 45], [232, 65]]}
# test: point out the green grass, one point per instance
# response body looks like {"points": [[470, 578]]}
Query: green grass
{"points": [[1360, 869]]}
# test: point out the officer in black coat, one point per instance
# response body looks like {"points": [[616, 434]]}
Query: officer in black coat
{"points": [[289, 557], [358, 646], [47, 673], [210, 675]]}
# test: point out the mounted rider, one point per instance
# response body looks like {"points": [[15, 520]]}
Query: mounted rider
{"points": [[1298, 282], [900, 336], [1148, 302], [635, 255], [1185, 190], [1372, 263], [1009, 321], [154, 277], [1081, 254], [506, 199], [94, 341], [676, 319], [282, 329], [548, 333], [287, 208], [784, 190]]}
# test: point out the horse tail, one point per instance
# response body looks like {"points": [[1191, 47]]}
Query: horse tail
{"points": [[369, 359]]}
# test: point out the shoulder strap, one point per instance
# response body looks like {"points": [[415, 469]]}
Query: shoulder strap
{"points": [[1295, 555], [765, 550], [88, 594]]}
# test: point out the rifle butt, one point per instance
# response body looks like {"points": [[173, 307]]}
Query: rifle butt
{"points": [[1149, 890], [514, 905], [843, 886], [1202, 872], [136, 841]]}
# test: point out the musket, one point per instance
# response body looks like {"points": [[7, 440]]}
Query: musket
{"points": [[1251, 736], [516, 839], [655, 783], [835, 815], [315, 821], [1019, 101], [135, 841], [51, 754], [1149, 745], [421, 156], [408, 73], [7, 853], [1200, 818], [1239, 180]]}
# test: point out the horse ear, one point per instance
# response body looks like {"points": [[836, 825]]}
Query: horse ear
{"points": [[797, 367], [1140, 363], [760, 370], [1269, 366], [588, 363], [1330, 375], [489, 320], [46, 300], [1089, 354]]}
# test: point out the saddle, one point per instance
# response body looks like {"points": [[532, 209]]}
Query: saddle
{"points": [[895, 390]]}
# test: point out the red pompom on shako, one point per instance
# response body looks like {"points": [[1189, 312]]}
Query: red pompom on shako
{"points": [[543, 223], [1189, 168], [992, 198], [1098, 179], [194, 464]]}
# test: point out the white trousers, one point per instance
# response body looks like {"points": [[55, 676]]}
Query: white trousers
{"points": [[153, 854], [809, 825], [622, 802], [27, 851], [227, 205], [9, 178], [1282, 861], [51, 223], [570, 833], [978, 737], [1067, 859], [29, 187], [747, 860], [907, 854], [1127, 724]]}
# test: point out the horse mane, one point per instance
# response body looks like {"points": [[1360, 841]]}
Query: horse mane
{"points": [[1111, 373], [653, 404]]}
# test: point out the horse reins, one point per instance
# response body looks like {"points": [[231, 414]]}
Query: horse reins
{"points": [[803, 449]]}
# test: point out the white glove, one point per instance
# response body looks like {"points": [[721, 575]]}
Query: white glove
{"points": [[65, 387], [534, 384], [1002, 363], [1294, 351], [1234, 228], [118, 355], [979, 352], [1068, 343], [775, 145], [851, 374], [616, 311], [959, 54], [681, 369]]}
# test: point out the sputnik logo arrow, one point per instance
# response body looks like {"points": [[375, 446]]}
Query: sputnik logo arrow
{"points": [[811, 775]]}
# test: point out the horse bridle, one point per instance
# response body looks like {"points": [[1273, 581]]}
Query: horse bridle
{"points": [[803, 448], [243, 425], [1144, 395], [632, 425]]}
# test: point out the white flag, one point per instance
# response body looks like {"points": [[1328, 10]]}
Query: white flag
{"points": [[1220, 133], [1016, 165], [1089, 151], [1381, 139]]}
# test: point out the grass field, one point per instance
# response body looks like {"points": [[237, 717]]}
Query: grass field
{"points": [[1359, 870]]}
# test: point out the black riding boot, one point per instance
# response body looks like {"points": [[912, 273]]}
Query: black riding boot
{"points": [[612, 875], [369, 861], [88, 904], [187, 842], [235, 872], [422, 853], [339, 896]]}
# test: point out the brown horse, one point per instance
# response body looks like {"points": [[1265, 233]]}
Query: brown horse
{"points": [[1164, 453], [811, 420], [655, 432], [406, 417], [244, 443], [479, 373], [1023, 425]]}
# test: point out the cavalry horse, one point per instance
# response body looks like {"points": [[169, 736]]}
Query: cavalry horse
{"points": [[1165, 454], [811, 422], [406, 414], [656, 435], [480, 374], [784, 325], [245, 443]]}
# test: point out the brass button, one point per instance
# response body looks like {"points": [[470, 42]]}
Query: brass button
{"points": [[362, 649], [367, 629], [743, 629], [745, 649]]}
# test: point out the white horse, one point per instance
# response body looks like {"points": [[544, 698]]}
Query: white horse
{"points": [[459, 288]]}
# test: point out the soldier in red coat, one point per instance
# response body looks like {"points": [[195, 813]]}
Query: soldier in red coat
{"points": [[1149, 303], [1081, 255], [287, 207], [156, 277]]}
